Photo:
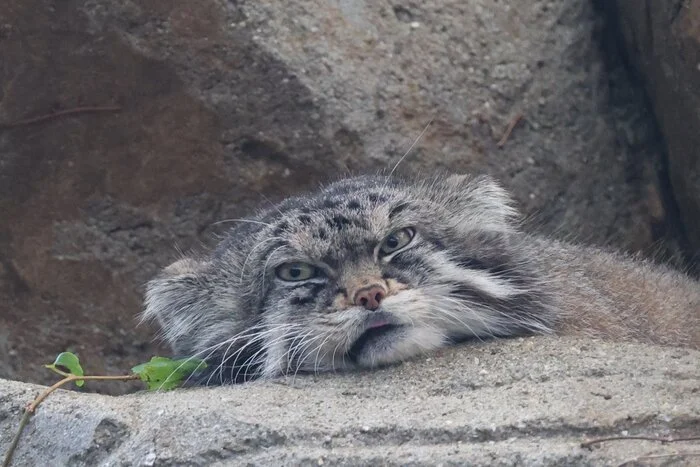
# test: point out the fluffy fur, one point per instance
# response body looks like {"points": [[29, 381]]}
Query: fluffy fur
{"points": [[468, 271]]}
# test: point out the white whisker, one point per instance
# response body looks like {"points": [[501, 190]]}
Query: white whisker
{"points": [[411, 147], [249, 221]]}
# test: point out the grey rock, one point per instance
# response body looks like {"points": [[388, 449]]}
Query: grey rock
{"points": [[518, 402], [227, 104]]}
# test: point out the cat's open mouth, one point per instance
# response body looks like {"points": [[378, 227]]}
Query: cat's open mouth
{"points": [[371, 336]]}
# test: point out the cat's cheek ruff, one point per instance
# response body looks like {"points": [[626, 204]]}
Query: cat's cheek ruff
{"points": [[275, 361], [481, 280], [431, 307]]}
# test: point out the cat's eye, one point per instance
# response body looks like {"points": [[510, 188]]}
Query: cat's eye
{"points": [[396, 240], [296, 271]]}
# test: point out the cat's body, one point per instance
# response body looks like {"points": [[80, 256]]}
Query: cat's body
{"points": [[374, 270]]}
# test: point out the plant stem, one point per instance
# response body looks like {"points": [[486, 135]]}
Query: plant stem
{"points": [[31, 408], [35, 403], [22, 423], [61, 113]]}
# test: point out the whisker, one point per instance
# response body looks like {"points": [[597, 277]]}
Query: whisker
{"points": [[305, 346], [213, 348], [410, 148], [250, 361], [250, 253], [340, 342], [318, 350], [264, 269], [250, 333], [468, 311], [274, 206], [296, 346], [249, 221], [254, 358]]}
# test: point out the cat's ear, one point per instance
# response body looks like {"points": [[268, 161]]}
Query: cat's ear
{"points": [[177, 300], [480, 202]]}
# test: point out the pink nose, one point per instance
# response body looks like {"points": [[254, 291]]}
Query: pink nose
{"points": [[369, 297]]}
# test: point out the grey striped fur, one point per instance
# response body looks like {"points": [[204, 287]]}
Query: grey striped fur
{"points": [[469, 272]]}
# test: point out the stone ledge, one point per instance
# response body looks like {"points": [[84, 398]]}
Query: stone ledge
{"points": [[524, 401]]}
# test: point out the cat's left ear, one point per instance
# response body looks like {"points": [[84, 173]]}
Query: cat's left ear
{"points": [[480, 203], [179, 299]]}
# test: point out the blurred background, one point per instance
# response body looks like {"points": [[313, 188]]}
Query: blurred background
{"points": [[128, 129]]}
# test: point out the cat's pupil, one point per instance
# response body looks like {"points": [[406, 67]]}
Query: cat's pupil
{"points": [[295, 272], [392, 242]]}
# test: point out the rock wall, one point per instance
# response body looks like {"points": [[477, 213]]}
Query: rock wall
{"points": [[207, 109]]}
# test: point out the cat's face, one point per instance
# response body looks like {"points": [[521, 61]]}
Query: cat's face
{"points": [[366, 272]]}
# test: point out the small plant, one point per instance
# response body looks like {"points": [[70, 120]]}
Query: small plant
{"points": [[159, 373]]}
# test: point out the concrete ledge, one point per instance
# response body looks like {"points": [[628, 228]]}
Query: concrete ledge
{"points": [[524, 401]]}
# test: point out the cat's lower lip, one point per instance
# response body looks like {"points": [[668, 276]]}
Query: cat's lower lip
{"points": [[372, 334], [377, 321]]}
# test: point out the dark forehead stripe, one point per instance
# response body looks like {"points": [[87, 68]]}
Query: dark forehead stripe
{"points": [[330, 203], [281, 227], [351, 249], [273, 246], [338, 222], [374, 197], [398, 210], [354, 205]]}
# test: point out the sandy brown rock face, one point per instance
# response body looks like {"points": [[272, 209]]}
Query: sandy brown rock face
{"points": [[662, 39], [222, 102]]}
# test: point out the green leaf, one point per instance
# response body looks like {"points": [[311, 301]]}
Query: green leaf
{"points": [[66, 364], [165, 373]]}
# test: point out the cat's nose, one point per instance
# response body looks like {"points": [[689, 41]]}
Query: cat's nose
{"points": [[369, 297]]}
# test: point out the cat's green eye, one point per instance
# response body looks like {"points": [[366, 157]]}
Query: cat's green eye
{"points": [[296, 271], [396, 240]]}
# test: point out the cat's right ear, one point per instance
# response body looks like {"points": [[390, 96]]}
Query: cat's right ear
{"points": [[177, 300], [480, 202]]}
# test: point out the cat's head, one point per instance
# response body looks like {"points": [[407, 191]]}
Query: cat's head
{"points": [[367, 271]]}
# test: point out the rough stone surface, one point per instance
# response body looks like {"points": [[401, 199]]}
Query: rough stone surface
{"points": [[518, 402], [662, 39], [224, 104]]}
